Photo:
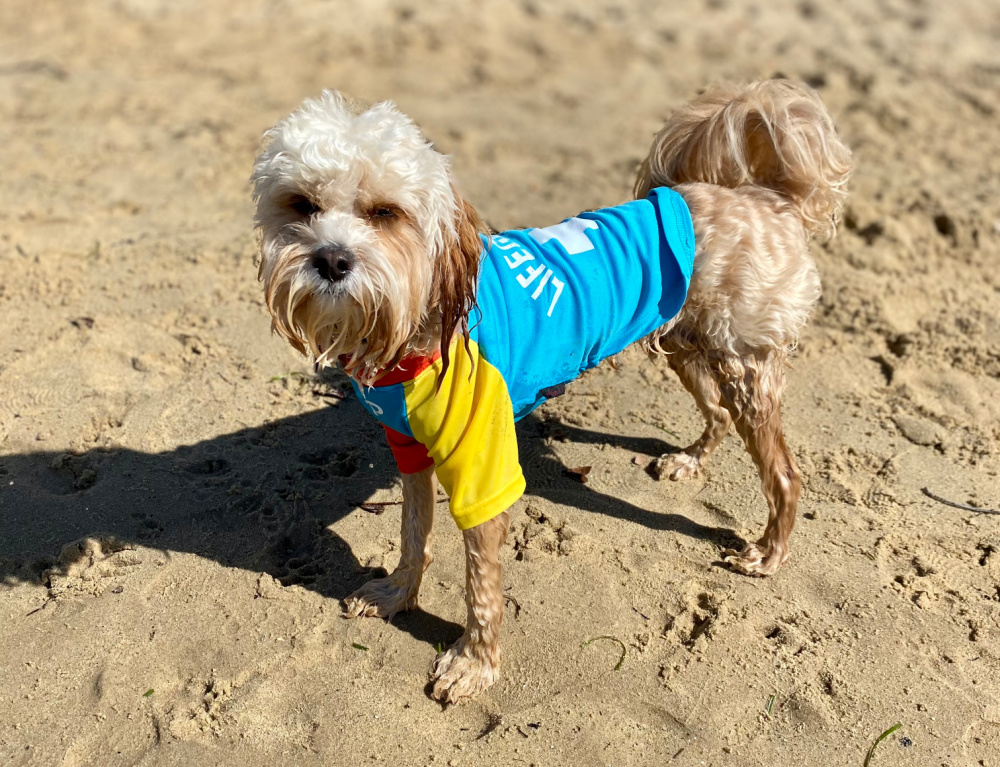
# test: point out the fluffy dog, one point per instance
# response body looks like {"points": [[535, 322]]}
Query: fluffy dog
{"points": [[370, 258]]}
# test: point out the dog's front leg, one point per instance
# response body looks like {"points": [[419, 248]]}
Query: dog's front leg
{"points": [[473, 663], [385, 597]]}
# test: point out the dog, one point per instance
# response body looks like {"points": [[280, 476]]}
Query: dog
{"points": [[371, 259]]}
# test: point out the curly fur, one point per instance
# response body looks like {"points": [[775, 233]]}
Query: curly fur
{"points": [[772, 134]]}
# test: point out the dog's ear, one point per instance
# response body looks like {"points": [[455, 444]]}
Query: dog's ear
{"points": [[456, 277]]}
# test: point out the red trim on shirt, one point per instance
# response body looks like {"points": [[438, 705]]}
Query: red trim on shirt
{"points": [[411, 457], [405, 370]]}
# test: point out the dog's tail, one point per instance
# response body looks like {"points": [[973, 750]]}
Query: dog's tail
{"points": [[773, 133]]}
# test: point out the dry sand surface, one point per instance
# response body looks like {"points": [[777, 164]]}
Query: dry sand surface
{"points": [[180, 500]]}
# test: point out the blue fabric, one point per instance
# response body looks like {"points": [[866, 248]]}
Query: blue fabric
{"points": [[386, 403], [554, 302]]}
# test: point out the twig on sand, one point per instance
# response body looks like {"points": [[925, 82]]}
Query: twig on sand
{"points": [[963, 506], [879, 739], [621, 660], [377, 507], [41, 607], [517, 605], [334, 394]]}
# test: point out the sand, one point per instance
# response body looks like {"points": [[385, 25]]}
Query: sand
{"points": [[179, 496]]}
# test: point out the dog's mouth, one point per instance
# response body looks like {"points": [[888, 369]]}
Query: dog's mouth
{"points": [[323, 357], [346, 341]]}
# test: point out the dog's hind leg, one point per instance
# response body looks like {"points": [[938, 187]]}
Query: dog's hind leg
{"points": [[697, 376], [385, 597], [473, 663], [751, 391]]}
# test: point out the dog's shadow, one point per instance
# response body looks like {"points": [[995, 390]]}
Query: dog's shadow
{"points": [[240, 499], [548, 478]]}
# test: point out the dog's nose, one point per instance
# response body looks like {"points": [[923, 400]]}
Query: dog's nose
{"points": [[333, 262]]}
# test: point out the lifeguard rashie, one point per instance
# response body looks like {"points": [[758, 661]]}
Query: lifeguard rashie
{"points": [[551, 303]]}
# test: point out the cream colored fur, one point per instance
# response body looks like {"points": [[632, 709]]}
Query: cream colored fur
{"points": [[762, 171]]}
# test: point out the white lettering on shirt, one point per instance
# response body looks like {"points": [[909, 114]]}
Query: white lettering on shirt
{"points": [[571, 234], [375, 408]]}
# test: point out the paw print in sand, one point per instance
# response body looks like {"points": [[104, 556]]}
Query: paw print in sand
{"points": [[90, 566], [543, 533]]}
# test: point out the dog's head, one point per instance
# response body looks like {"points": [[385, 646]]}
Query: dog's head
{"points": [[367, 252]]}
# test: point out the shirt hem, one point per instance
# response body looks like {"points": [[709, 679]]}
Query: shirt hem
{"points": [[483, 511], [410, 470]]}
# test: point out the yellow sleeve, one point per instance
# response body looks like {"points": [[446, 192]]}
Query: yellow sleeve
{"points": [[468, 429]]}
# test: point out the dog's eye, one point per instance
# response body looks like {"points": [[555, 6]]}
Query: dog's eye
{"points": [[383, 212], [303, 206]]}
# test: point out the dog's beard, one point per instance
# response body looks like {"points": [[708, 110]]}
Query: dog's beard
{"points": [[369, 320]]}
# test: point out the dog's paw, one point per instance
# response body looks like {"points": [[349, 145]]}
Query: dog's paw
{"points": [[382, 598], [755, 559], [463, 671], [677, 466]]}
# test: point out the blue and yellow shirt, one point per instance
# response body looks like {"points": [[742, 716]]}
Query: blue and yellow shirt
{"points": [[551, 303]]}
